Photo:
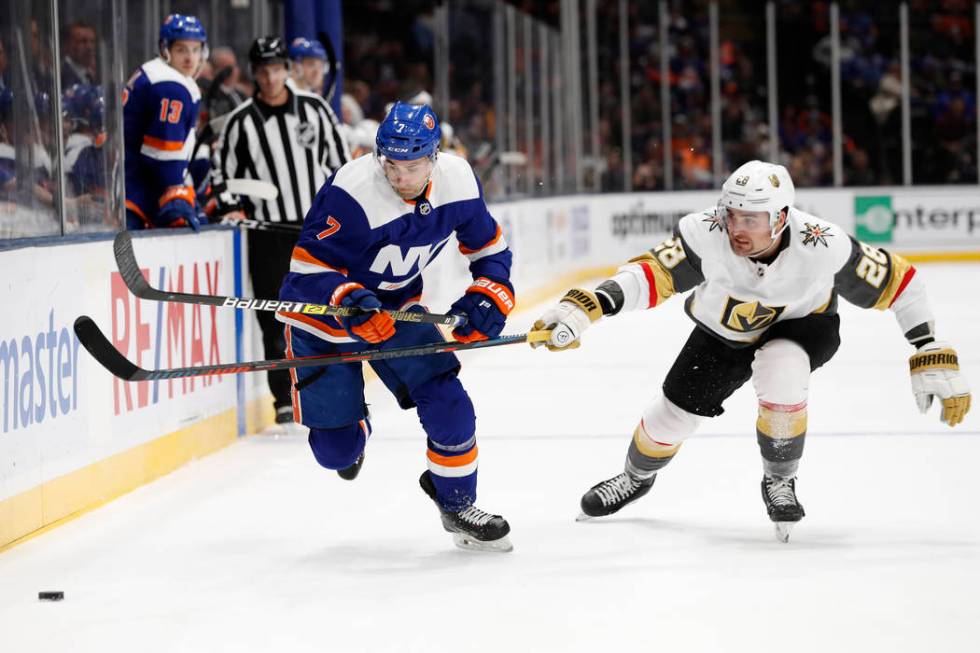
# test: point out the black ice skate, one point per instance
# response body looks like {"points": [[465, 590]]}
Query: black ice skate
{"points": [[784, 510], [350, 473], [472, 528], [611, 495]]}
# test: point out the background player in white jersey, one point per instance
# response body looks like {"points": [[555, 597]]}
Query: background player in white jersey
{"points": [[160, 107], [765, 279], [374, 227]]}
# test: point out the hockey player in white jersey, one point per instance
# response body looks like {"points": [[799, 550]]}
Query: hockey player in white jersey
{"points": [[765, 278]]}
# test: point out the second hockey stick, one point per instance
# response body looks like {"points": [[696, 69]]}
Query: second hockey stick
{"points": [[252, 188], [260, 225], [129, 269], [95, 341]]}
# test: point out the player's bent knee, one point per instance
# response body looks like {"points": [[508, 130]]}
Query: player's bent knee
{"points": [[781, 373], [667, 423], [339, 448]]}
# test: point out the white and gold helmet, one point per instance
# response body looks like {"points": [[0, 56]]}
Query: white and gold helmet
{"points": [[758, 186]]}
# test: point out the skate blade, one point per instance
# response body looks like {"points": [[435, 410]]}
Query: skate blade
{"points": [[783, 529], [584, 517], [470, 543]]}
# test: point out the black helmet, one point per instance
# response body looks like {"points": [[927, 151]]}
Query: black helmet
{"points": [[268, 49]]}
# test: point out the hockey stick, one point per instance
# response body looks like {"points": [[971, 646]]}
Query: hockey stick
{"points": [[129, 269], [331, 81], [261, 225], [253, 188], [113, 360]]}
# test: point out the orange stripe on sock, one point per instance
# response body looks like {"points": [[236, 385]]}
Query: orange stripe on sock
{"points": [[453, 461]]}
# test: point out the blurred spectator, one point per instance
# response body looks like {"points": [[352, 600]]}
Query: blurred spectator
{"points": [[231, 91], [3, 67], [612, 177], [84, 107], [41, 59], [7, 158], [78, 46], [351, 112]]}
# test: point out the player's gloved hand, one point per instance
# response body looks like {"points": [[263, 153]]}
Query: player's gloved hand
{"points": [[177, 208], [224, 204], [935, 372], [569, 319], [373, 324], [485, 305]]}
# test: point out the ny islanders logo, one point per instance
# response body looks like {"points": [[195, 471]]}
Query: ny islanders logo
{"points": [[746, 316], [428, 121]]}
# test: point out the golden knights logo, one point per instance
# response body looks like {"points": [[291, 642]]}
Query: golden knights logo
{"points": [[816, 233], [714, 220], [745, 316]]}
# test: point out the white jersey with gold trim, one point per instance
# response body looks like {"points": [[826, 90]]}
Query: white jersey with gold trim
{"points": [[737, 298]]}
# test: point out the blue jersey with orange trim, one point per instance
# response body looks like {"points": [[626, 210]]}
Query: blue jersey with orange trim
{"points": [[160, 108], [359, 230]]}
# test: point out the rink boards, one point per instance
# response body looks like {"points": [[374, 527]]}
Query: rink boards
{"points": [[73, 437]]}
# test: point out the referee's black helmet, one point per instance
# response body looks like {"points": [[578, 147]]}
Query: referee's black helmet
{"points": [[266, 50]]}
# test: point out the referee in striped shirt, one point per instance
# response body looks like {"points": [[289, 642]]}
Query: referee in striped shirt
{"points": [[293, 140]]}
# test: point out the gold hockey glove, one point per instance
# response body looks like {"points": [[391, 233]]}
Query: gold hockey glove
{"points": [[574, 313], [935, 372]]}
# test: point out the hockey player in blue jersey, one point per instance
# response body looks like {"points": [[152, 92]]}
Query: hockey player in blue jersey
{"points": [[372, 229], [160, 108]]}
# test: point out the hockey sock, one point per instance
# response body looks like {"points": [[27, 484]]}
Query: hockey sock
{"points": [[647, 456], [452, 468], [781, 432]]}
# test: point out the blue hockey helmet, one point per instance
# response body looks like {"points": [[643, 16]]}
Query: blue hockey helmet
{"points": [[301, 48], [84, 104], [410, 131], [178, 27]]}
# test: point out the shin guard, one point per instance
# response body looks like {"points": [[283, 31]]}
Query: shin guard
{"points": [[447, 416], [647, 453], [781, 431]]}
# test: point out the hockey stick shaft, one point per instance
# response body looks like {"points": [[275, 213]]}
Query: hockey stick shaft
{"points": [[129, 269], [260, 225], [95, 341]]}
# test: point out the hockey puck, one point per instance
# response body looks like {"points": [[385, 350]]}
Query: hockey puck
{"points": [[51, 596]]}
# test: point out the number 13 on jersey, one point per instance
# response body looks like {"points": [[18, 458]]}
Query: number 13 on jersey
{"points": [[170, 110]]}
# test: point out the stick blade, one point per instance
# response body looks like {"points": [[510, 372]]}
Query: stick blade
{"points": [[253, 188], [102, 350], [129, 268]]}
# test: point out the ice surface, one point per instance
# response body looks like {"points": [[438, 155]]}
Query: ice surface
{"points": [[257, 549]]}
